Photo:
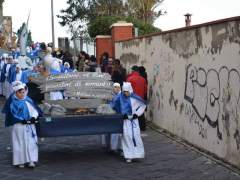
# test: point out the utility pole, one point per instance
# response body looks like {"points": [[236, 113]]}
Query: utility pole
{"points": [[53, 30]]}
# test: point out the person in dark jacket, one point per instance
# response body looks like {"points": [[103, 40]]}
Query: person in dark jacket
{"points": [[118, 73], [81, 61], [104, 61], [142, 72], [67, 57], [93, 63]]}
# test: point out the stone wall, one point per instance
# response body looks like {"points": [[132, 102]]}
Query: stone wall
{"points": [[194, 83]]}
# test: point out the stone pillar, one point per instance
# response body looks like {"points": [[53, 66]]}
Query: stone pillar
{"points": [[121, 31], [103, 44]]}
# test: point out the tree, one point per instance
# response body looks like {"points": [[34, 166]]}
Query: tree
{"points": [[145, 10], [76, 15], [93, 17], [80, 12], [101, 25], [107, 8]]}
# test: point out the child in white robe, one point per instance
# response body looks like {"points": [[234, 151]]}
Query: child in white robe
{"points": [[130, 106], [22, 114]]}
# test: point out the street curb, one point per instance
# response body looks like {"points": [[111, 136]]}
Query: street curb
{"points": [[183, 142]]}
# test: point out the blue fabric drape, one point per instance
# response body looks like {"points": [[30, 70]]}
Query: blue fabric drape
{"points": [[16, 110]]}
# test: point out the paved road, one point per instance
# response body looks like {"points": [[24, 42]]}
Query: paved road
{"points": [[82, 158]]}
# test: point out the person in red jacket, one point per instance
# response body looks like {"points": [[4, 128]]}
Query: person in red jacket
{"points": [[139, 85]]}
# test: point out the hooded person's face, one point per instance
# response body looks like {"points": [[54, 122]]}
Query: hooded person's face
{"points": [[116, 89], [18, 69], [126, 93], [21, 93]]}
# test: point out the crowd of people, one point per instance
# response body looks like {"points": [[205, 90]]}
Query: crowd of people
{"points": [[130, 96]]}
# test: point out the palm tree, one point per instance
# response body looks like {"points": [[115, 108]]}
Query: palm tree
{"points": [[145, 9], [108, 7]]}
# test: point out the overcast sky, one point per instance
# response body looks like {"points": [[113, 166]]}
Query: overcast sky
{"points": [[40, 20]]}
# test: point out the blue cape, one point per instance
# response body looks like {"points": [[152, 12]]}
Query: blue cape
{"points": [[16, 54], [12, 73], [122, 104], [54, 72], [66, 70], [25, 75], [16, 110]]}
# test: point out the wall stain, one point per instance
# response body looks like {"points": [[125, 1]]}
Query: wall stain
{"points": [[149, 40], [183, 43], [237, 138], [158, 100], [151, 114], [224, 32], [219, 35], [207, 29], [181, 108], [150, 94], [129, 57], [172, 100], [198, 35], [129, 44]]}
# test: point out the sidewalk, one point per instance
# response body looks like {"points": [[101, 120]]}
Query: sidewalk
{"points": [[83, 158]]}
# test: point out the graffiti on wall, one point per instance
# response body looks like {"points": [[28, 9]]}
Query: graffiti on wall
{"points": [[214, 96]]}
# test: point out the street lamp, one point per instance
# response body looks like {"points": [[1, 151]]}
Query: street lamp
{"points": [[53, 31]]}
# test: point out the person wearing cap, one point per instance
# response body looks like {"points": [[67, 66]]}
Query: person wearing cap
{"points": [[22, 114], [54, 70], [131, 107], [9, 100], [15, 74], [2, 62], [12, 74], [7, 84], [116, 92], [3, 73], [48, 59]]}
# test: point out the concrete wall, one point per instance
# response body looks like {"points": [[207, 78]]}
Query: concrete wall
{"points": [[194, 83]]}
